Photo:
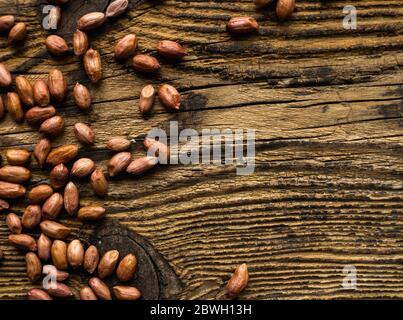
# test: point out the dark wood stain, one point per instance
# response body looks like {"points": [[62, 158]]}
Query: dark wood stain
{"points": [[326, 106]]}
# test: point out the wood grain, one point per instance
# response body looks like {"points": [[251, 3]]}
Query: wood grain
{"points": [[326, 104]]}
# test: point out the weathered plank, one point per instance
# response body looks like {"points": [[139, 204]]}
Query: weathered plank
{"points": [[326, 104]]}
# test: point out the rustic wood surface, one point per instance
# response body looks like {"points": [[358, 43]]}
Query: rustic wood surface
{"points": [[326, 104]]}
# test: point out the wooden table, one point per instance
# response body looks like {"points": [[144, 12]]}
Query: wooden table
{"points": [[326, 104]]}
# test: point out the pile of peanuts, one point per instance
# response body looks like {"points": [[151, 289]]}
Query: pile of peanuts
{"points": [[46, 202]]}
